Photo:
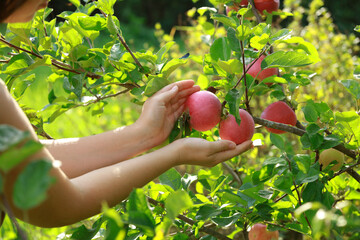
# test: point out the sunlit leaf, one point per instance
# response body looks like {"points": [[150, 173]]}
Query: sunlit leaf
{"points": [[31, 186]]}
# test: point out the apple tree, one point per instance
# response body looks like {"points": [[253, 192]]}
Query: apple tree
{"points": [[260, 75]]}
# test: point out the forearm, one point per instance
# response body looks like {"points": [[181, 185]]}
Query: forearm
{"points": [[82, 155], [70, 201]]}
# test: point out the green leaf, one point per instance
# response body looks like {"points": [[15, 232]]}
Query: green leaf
{"points": [[233, 98], [85, 233], [226, 221], [171, 178], [156, 83], [278, 141], [232, 66], [106, 6], [286, 59], [284, 183], [95, 23], [207, 211], [14, 156], [162, 52], [21, 86], [357, 28], [264, 174], [140, 220], [310, 113], [303, 162], [353, 87], [139, 212], [172, 65], [351, 121], [220, 49], [11, 136], [233, 40], [3, 28], [227, 21], [137, 202], [330, 141], [243, 32], [311, 176], [176, 203], [259, 42], [115, 226], [313, 192], [280, 35], [32, 184]]}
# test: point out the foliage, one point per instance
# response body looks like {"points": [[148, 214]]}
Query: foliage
{"points": [[85, 64]]}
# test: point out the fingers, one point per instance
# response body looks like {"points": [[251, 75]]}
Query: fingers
{"points": [[181, 85], [221, 146], [229, 153]]}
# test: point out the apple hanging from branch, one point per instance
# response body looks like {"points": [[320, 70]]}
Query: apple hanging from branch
{"points": [[261, 5], [204, 109], [279, 112], [328, 156], [229, 129], [256, 72]]}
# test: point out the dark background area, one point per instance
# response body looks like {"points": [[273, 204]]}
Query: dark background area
{"points": [[136, 14]]}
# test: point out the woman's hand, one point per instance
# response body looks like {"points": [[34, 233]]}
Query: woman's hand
{"points": [[162, 109], [198, 151]]}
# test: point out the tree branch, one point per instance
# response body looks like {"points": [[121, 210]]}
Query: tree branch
{"points": [[300, 132], [256, 13], [233, 173]]}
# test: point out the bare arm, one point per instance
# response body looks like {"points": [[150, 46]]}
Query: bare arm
{"points": [[82, 155], [70, 200]]}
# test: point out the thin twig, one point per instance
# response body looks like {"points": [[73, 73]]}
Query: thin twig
{"points": [[11, 215], [42, 133], [297, 190], [256, 13], [233, 173]]}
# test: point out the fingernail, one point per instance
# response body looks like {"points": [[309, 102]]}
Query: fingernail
{"points": [[232, 145], [175, 88]]}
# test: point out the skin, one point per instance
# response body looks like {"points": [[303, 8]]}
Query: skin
{"points": [[259, 232], [108, 166]]}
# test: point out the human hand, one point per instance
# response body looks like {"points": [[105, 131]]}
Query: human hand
{"points": [[162, 109], [198, 151]]}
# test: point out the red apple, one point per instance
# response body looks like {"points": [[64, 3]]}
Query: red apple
{"points": [[256, 72], [329, 155], [279, 112], [259, 232], [261, 5], [268, 5], [204, 110], [230, 130]]}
